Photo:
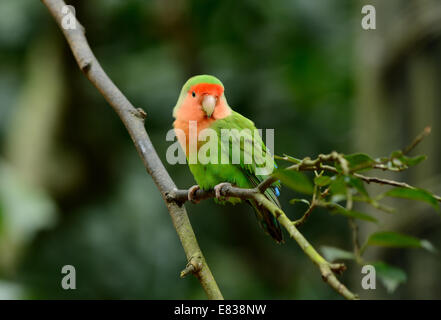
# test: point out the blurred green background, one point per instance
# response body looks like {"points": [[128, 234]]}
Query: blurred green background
{"points": [[74, 191]]}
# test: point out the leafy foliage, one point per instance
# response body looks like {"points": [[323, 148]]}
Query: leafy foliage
{"points": [[359, 161], [295, 180], [397, 240], [338, 184], [332, 254], [352, 213]]}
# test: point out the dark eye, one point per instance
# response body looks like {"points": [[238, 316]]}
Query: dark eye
{"points": [[193, 94]]}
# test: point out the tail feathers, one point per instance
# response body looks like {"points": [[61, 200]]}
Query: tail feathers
{"points": [[268, 222]]}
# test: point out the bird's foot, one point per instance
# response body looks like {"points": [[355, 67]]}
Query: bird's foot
{"points": [[218, 189], [191, 193]]}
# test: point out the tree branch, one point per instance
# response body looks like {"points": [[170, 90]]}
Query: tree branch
{"points": [[390, 183], [327, 269], [133, 120], [417, 140], [311, 207]]}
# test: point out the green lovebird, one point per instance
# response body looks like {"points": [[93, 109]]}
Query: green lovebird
{"points": [[202, 105]]}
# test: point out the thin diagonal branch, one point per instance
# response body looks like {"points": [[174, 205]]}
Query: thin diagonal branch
{"points": [[133, 120], [417, 140], [311, 207], [390, 183]]}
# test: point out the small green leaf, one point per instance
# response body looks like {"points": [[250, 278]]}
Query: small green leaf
{"points": [[295, 180], [414, 194], [332, 254], [396, 154], [399, 160], [359, 185], [336, 198], [288, 158], [381, 207], [414, 161], [393, 239], [359, 161], [390, 276], [352, 214], [322, 181], [294, 201], [338, 185], [428, 246], [397, 240]]}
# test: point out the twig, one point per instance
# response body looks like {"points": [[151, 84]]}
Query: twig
{"points": [[307, 164], [306, 215], [193, 266], [382, 165], [311, 207], [327, 269], [133, 120], [417, 140], [317, 164], [390, 183]]}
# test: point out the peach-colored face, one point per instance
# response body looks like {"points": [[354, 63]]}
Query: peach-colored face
{"points": [[194, 108]]}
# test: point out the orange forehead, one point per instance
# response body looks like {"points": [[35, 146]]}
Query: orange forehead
{"points": [[207, 88]]}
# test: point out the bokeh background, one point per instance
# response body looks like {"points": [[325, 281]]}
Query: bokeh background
{"points": [[74, 191]]}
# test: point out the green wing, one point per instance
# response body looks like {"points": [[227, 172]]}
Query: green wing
{"points": [[237, 163], [242, 133]]}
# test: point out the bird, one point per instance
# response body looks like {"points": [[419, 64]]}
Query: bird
{"points": [[203, 105]]}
